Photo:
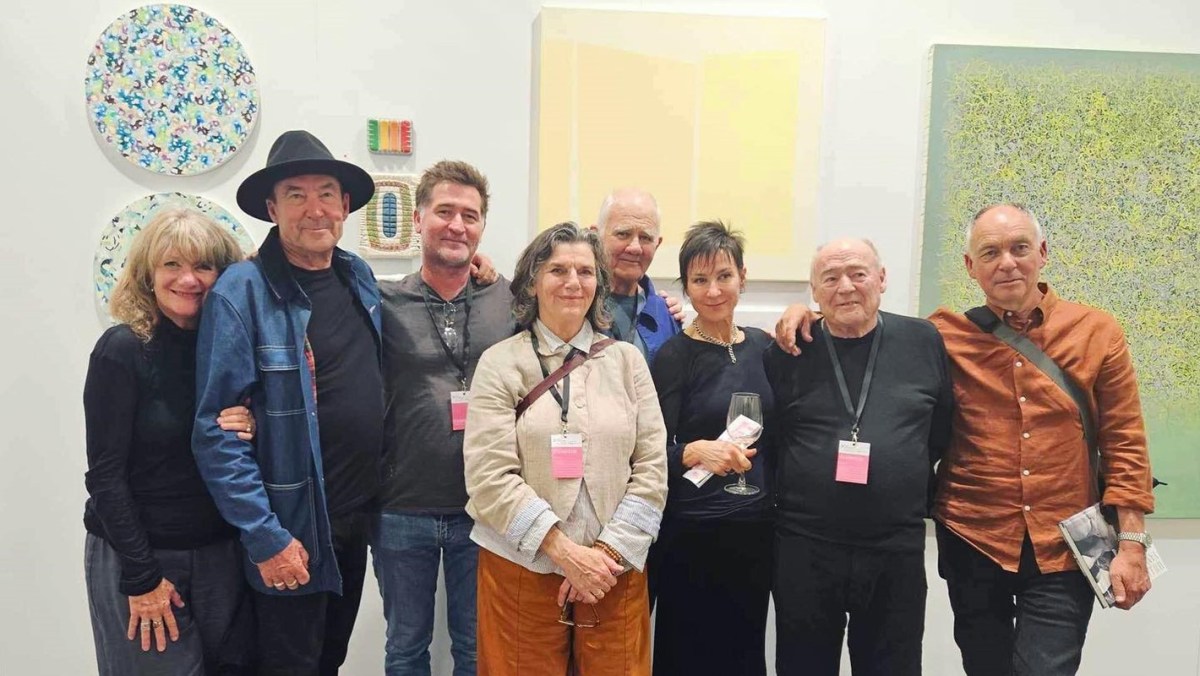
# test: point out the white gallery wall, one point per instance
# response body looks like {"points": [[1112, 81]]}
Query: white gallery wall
{"points": [[461, 70]]}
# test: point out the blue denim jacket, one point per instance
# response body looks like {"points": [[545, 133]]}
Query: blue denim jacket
{"points": [[654, 323], [252, 344]]}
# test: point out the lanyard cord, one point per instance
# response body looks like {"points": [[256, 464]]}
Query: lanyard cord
{"points": [[460, 363], [841, 377], [564, 399]]}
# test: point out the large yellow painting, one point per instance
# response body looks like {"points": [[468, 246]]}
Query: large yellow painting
{"points": [[716, 115]]}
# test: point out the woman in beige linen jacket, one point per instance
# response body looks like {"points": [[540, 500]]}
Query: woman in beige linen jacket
{"points": [[547, 542]]}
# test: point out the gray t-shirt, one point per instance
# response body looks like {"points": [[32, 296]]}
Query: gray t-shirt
{"points": [[624, 311], [422, 456]]}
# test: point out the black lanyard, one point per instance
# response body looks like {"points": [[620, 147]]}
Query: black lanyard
{"points": [[565, 398], [460, 363], [841, 377]]}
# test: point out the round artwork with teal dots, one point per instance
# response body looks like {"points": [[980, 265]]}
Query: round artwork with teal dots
{"points": [[171, 89], [118, 234]]}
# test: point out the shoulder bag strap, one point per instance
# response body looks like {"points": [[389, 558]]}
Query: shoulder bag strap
{"points": [[560, 373], [987, 321]]}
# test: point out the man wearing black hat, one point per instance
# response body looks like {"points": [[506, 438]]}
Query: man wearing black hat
{"points": [[296, 330]]}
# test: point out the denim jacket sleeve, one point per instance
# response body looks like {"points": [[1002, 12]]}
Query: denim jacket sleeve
{"points": [[225, 372]]}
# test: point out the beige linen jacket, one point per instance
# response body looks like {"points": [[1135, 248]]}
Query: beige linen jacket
{"points": [[613, 405]]}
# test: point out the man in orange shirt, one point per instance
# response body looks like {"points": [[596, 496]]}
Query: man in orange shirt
{"points": [[1018, 459]]}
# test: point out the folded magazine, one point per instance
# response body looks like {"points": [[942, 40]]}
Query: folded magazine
{"points": [[1093, 542]]}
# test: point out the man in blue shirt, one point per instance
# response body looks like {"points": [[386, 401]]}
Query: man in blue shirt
{"points": [[296, 330], [629, 227]]}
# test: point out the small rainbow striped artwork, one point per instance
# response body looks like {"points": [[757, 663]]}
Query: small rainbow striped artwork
{"points": [[391, 137]]}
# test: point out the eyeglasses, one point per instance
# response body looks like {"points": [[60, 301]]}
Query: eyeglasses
{"points": [[567, 616]]}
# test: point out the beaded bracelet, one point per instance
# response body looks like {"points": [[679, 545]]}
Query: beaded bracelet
{"points": [[610, 551]]}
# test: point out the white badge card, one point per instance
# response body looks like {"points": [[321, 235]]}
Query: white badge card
{"points": [[458, 410], [853, 461], [697, 475], [566, 456]]}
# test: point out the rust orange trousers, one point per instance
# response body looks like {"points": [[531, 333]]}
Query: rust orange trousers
{"points": [[520, 635]]}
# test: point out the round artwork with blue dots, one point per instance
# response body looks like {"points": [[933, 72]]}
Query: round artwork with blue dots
{"points": [[171, 89]]}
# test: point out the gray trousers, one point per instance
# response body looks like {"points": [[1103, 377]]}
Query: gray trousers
{"points": [[214, 625]]}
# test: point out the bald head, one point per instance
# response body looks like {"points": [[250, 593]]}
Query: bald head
{"points": [[629, 227], [848, 280], [1005, 254]]}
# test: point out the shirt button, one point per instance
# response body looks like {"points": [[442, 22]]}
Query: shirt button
{"points": [[1026, 435], [1020, 364], [1021, 399], [1025, 472], [1027, 508]]}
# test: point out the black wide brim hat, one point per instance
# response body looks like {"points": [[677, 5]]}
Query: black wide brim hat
{"points": [[298, 153]]}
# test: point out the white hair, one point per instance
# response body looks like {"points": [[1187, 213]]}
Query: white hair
{"points": [[970, 229], [864, 240], [611, 199]]}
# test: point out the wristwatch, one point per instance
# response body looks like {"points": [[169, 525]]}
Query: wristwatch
{"points": [[1141, 538]]}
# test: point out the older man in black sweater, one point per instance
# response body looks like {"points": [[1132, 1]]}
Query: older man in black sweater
{"points": [[863, 414]]}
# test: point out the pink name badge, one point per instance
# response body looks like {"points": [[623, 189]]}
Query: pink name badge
{"points": [[853, 460], [566, 456], [458, 410]]}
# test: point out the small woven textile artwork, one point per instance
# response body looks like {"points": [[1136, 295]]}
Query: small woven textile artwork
{"points": [[171, 89], [387, 220], [118, 234]]}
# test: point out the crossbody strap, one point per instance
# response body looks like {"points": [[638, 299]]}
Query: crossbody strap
{"points": [[988, 322], [560, 373]]}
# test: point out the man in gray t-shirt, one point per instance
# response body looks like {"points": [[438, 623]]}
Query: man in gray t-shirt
{"points": [[436, 323]]}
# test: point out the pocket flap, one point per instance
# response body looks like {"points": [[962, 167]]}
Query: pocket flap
{"points": [[277, 359]]}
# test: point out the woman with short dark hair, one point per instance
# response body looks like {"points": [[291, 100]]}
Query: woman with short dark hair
{"points": [[710, 570], [566, 483]]}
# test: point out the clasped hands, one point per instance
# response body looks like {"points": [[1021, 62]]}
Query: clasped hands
{"points": [[589, 572], [591, 575]]}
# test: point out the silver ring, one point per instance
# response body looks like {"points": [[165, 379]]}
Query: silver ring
{"points": [[279, 585], [145, 624]]}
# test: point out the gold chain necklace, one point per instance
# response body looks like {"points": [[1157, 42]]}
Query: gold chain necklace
{"points": [[709, 339]]}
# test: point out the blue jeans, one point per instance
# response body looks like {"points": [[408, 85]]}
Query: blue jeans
{"points": [[405, 550]]}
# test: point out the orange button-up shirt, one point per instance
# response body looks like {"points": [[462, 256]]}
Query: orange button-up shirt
{"points": [[1018, 461]]}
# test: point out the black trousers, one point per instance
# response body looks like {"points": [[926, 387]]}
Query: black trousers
{"points": [[1024, 623], [712, 581], [818, 584], [308, 634]]}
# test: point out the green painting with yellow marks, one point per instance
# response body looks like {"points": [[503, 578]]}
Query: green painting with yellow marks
{"points": [[1105, 148]]}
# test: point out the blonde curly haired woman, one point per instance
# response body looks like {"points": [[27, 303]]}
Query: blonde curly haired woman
{"points": [[160, 561]]}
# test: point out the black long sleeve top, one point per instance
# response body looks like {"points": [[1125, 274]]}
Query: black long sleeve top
{"points": [[694, 380], [139, 402]]}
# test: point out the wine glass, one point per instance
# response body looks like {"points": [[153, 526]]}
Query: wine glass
{"points": [[749, 405]]}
